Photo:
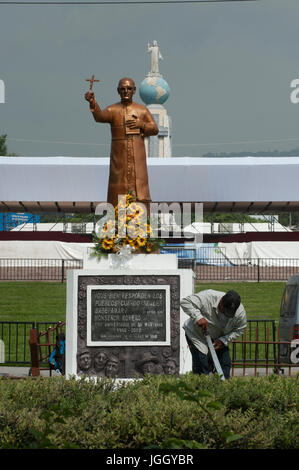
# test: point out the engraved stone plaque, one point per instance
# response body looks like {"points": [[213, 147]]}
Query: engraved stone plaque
{"points": [[128, 315], [128, 325]]}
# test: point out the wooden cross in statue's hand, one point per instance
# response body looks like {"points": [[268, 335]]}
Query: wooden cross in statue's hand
{"points": [[91, 80]]}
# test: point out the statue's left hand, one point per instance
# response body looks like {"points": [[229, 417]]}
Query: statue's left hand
{"points": [[135, 123]]}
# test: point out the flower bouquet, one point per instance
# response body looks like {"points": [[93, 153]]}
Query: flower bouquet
{"points": [[129, 230]]}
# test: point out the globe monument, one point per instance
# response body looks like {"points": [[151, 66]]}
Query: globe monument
{"points": [[154, 92]]}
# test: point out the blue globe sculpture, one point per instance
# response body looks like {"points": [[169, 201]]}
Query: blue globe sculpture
{"points": [[154, 90]]}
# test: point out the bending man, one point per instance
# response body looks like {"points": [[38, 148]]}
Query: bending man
{"points": [[220, 315]]}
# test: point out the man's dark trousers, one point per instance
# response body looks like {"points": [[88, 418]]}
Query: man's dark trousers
{"points": [[201, 363]]}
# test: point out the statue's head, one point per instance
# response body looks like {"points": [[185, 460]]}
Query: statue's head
{"points": [[126, 89], [112, 366]]}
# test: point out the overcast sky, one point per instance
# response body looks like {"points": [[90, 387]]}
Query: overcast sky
{"points": [[229, 67]]}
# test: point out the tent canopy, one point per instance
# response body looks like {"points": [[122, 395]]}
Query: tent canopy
{"points": [[73, 184]]}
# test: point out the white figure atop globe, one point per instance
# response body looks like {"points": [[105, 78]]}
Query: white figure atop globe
{"points": [[154, 89], [156, 55]]}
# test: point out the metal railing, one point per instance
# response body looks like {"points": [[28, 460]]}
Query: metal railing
{"points": [[218, 267], [205, 269], [263, 330], [42, 345], [258, 347], [15, 336], [253, 269], [37, 269], [264, 355], [186, 256]]}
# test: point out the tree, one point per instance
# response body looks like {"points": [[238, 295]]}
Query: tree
{"points": [[223, 217], [3, 147]]}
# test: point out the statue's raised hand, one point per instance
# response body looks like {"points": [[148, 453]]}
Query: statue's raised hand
{"points": [[89, 96]]}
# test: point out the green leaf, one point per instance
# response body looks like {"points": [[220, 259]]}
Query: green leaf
{"points": [[166, 388], [234, 437], [182, 384], [189, 398], [37, 434], [216, 405], [203, 394], [59, 420], [229, 436]]}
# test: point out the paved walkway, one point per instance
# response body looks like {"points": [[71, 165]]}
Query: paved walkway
{"points": [[20, 372], [23, 372]]}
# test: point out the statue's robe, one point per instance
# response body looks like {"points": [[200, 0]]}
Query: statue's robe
{"points": [[128, 170]]}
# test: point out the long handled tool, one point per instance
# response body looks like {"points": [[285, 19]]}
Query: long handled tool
{"points": [[214, 357]]}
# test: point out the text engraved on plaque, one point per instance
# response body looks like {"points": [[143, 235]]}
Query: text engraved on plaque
{"points": [[129, 314]]}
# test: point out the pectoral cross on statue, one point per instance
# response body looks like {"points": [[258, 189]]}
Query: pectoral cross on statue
{"points": [[91, 80]]}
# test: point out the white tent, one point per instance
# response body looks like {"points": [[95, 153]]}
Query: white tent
{"points": [[45, 183]]}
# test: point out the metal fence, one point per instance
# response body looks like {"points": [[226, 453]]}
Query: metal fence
{"points": [[15, 337], [264, 355], [253, 346], [37, 269], [254, 269], [257, 348], [205, 269], [218, 267]]}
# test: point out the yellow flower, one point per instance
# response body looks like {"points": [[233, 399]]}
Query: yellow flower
{"points": [[107, 243], [149, 247], [141, 241], [149, 230], [135, 244]]}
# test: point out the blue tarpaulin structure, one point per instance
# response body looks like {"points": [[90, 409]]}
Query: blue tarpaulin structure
{"points": [[205, 253], [10, 220]]}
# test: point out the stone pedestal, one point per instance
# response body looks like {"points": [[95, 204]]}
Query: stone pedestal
{"points": [[124, 318], [159, 146]]}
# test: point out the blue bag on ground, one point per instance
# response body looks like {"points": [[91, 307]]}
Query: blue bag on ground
{"points": [[57, 358]]}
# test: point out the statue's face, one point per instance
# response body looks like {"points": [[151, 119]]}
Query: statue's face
{"points": [[100, 360], [170, 368], [111, 369], [148, 368], [84, 361], [126, 90]]}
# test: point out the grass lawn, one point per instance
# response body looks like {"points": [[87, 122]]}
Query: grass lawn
{"points": [[32, 301], [42, 301], [260, 299]]}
